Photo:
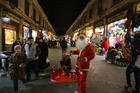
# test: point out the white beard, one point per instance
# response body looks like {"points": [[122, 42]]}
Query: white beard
{"points": [[81, 44]]}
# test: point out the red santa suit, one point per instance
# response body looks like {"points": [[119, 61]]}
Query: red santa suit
{"points": [[82, 67], [105, 44]]}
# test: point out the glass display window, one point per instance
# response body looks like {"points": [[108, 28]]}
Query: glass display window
{"points": [[99, 30], [26, 32], [116, 31], [10, 36], [34, 34]]}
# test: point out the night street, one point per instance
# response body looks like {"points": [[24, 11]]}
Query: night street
{"points": [[103, 78], [69, 46]]}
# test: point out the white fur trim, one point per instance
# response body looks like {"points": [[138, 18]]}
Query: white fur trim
{"points": [[85, 59], [85, 69]]}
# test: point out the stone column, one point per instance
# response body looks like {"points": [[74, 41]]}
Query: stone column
{"points": [[21, 5], [21, 29], [105, 27], [30, 8], [1, 46]]}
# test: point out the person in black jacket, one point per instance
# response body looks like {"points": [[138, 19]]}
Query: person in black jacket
{"points": [[43, 55], [66, 61], [135, 51], [63, 45]]}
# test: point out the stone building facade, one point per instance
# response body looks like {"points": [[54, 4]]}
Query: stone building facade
{"points": [[20, 19], [101, 13]]}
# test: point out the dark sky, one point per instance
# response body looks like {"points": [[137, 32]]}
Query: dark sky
{"points": [[62, 13]]}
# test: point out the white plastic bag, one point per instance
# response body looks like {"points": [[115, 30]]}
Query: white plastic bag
{"points": [[47, 60]]}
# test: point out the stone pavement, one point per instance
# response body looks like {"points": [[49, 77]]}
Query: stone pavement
{"points": [[102, 78]]}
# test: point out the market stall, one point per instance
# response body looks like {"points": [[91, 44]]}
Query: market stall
{"points": [[116, 31]]}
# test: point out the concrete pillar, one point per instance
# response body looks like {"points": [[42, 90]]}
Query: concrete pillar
{"points": [[105, 27], [1, 30], [21, 29]]}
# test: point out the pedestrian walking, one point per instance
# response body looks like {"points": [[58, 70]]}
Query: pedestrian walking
{"points": [[34, 51], [31, 50], [43, 55], [17, 67], [63, 44], [134, 66]]}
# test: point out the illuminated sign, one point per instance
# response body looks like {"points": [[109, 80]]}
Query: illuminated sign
{"points": [[6, 19]]}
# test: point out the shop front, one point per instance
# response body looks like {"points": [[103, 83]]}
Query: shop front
{"points": [[116, 29], [50, 36], [25, 32], [89, 32], [99, 31], [75, 36], [136, 20], [45, 35], [26, 28], [9, 35], [34, 34]]}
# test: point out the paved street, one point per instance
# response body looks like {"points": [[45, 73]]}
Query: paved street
{"points": [[102, 78]]}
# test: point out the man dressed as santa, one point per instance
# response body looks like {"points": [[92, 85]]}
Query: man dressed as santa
{"points": [[86, 54]]}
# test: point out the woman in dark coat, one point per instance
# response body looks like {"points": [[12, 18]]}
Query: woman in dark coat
{"points": [[17, 67], [43, 55], [63, 45]]}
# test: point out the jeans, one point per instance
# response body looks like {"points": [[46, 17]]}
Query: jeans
{"points": [[32, 65], [130, 69], [137, 79], [15, 83]]}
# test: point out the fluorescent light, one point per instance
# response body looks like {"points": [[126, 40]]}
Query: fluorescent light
{"points": [[6, 19]]}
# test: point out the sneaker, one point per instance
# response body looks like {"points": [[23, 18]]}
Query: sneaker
{"points": [[127, 86], [135, 91], [23, 86], [17, 92], [75, 91]]}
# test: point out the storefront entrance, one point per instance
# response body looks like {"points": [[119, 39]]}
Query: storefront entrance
{"points": [[9, 36], [116, 31]]}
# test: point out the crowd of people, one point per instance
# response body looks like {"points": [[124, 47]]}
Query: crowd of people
{"points": [[30, 56], [27, 58]]}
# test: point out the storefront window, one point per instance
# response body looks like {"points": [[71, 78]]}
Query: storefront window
{"points": [[75, 36], [99, 30], [10, 36], [26, 32], [34, 34], [137, 29], [116, 32]]}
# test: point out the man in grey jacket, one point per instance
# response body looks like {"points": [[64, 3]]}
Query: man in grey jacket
{"points": [[31, 52]]}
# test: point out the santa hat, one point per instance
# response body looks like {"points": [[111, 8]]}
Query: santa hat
{"points": [[17, 46], [83, 34]]}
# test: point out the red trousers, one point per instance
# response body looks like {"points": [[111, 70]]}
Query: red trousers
{"points": [[82, 82]]}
